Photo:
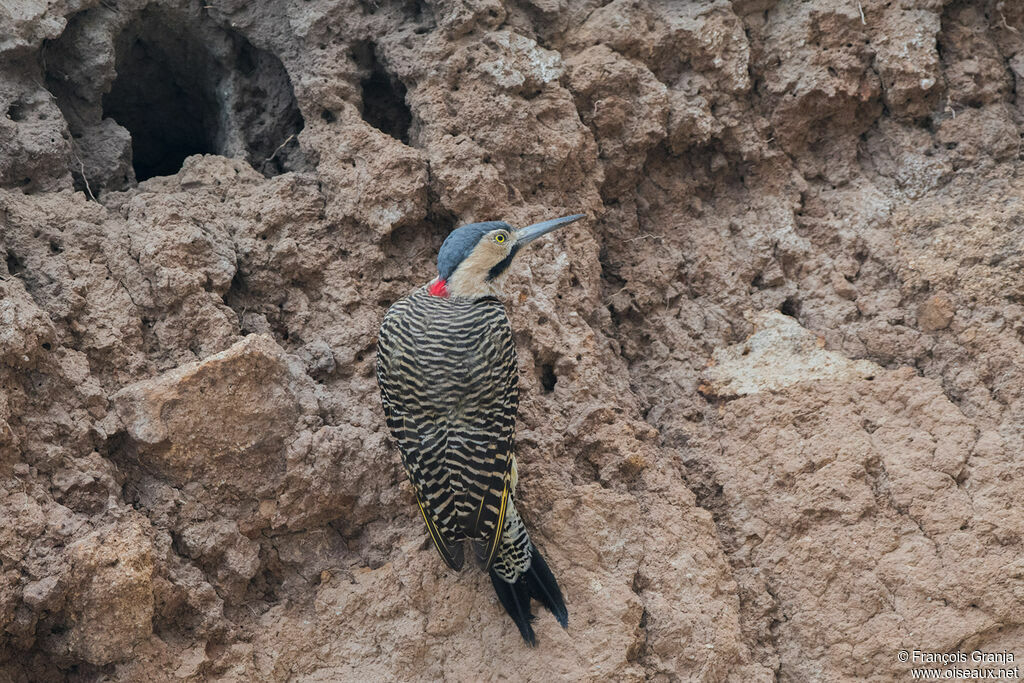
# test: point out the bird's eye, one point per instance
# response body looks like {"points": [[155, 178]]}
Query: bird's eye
{"points": [[500, 238]]}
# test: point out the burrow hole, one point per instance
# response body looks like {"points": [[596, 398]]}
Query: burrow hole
{"points": [[14, 264], [548, 379], [790, 307], [16, 112], [384, 104], [170, 111], [185, 86]]}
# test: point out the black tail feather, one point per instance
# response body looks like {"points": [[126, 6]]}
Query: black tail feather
{"points": [[538, 583], [515, 598], [544, 588]]}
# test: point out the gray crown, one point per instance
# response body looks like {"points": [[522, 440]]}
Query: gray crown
{"points": [[460, 244]]}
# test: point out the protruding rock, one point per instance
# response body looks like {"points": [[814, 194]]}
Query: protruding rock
{"points": [[936, 313], [230, 558], [779, 353], [224, 421], [625, 105], [110, 596], [44, 593], [24, 327]]}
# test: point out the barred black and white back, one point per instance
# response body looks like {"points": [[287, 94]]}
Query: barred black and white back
{"points": [[448, 376]]}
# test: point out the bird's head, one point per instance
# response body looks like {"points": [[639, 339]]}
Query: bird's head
{"points": [[474, 259]]}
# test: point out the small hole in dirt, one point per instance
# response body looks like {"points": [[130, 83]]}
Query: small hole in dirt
{"points": [[548, 378], [55, 248], [870, 378], [14, 264], [16, 112], [384, 104], [790, 307], [46, 345], [328, 116], [542, 320]]}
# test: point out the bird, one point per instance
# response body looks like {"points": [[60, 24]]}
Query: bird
{"points": [[449, 385]]}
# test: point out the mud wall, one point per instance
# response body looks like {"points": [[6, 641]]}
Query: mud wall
{"points": [[773, 394]]}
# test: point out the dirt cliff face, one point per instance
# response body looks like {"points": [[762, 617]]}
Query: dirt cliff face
{"points": [[773, 389]]}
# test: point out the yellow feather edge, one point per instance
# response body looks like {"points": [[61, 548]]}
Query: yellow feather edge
{"points": [[500, 528], [435, 536]]}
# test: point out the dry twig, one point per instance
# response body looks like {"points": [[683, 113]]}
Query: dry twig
{"points": [[85, 179], [279, 148]]}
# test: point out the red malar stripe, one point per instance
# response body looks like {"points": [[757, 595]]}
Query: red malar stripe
{"points": [[438, 288]]}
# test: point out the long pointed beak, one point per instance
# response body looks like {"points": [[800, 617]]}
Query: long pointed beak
{"points": [[532, 232]]}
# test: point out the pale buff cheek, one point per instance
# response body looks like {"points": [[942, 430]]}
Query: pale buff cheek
{"points": [[470, 278]]}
